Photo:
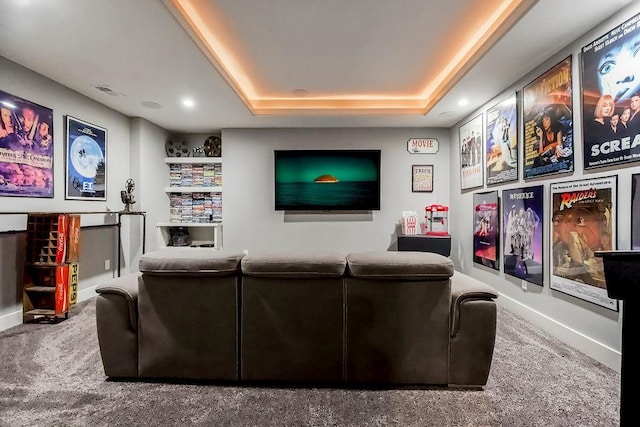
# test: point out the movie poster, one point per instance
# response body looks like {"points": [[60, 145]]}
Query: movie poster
{"points": [[523, 220], [611, 97], [548, 123], [584, 221], [26, 148], [502, 142], [86, 172], [486, 229], [471, 154], [635, 212]]}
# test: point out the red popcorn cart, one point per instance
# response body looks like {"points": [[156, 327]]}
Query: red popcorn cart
{"points": [[437, 217]]}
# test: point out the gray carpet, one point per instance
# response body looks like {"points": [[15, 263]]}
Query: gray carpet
{"points": [[51, 375]]}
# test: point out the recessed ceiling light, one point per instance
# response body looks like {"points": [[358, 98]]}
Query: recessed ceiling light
{"points": [[463, 102], [150, 104], [188, 102]]}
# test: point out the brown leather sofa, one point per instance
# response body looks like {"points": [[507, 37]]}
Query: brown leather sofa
{"points": [[321, 317]]}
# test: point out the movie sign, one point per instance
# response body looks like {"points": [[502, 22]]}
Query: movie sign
{"points": [[422, 146], [548, 122], [583, 222], [611, 97]]}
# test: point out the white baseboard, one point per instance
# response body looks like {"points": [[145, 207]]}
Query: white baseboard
{"points": [[598, 351], [15, 318]]}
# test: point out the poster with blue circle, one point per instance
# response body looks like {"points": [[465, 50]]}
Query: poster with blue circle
{"points": [[86, 161]]}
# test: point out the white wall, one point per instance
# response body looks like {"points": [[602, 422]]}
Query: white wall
{"points": [[251, 222], [588, 327]]}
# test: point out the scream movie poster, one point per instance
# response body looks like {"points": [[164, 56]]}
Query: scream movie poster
{"points": [[584, 221], [611, 96], [523, 224], [548, 123], [486, 229]]}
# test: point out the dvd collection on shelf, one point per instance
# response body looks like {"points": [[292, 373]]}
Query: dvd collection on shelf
{"points": [[195, 207]]}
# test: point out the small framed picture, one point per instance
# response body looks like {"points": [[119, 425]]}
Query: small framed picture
{"points": [[422, 178]]}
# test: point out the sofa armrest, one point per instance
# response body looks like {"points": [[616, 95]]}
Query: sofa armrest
{"points": [[466, 288], [126, 287]]}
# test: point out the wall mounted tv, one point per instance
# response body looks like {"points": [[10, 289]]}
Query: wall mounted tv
{"points": [[327, 180]]}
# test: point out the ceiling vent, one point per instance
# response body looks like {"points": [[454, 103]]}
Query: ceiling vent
{"points": [[107, 90]]}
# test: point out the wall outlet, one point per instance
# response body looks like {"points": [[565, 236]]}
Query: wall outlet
{"points": [[107, 264]]}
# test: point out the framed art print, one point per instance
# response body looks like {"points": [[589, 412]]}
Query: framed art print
{"points": [[583, 222], [486, 229], [501, 154], [470, 143], [26, 148], [86, 161], [611, 97], [422, 178], [635, 212], [523, 222], [548, 122]]}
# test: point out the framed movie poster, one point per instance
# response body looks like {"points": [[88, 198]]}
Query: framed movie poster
{"points": [[471, 154], [611, 97], [422, 178], [523, 222], [26, 148], [635, 212], [86, 161], [584, 221], [502, 142], [548, 122], [486, 229]]}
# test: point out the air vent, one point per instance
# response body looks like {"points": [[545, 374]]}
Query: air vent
{"points": [[107, 90]]}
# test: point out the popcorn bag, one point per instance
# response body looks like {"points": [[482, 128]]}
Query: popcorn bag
{"points": [[409, 222]]}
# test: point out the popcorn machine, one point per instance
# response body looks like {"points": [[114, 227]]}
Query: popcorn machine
{"points": [[437, 217]]}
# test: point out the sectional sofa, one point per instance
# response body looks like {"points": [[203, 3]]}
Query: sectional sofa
{"points": [[386, 318]]}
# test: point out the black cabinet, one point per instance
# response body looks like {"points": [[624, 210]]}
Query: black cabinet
{"points": [[424, 243]]}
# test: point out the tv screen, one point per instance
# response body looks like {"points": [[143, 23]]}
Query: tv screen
{"points": [[327, 179]]}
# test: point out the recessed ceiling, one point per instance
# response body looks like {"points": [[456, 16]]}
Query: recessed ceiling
{"points": [[345, 43], [362, 63]]}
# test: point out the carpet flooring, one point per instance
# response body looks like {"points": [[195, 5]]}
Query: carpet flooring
{"points": [[51, 375]]}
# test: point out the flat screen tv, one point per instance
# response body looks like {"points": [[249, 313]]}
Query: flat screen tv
{"points": [[327, 180]]}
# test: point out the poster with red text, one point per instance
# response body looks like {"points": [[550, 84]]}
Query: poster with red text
{"points": [[583, 221]]}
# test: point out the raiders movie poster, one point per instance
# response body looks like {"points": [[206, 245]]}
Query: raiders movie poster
{"points": [[548, 123], [611, 97], [584, 221], [486, 229], [502, 142], [471, 154], [522, 233]]}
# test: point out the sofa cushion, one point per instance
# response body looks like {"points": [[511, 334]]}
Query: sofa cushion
{"points": [[399, 265], [287, 264], [190, 261]]}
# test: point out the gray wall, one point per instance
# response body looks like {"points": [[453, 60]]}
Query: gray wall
{"points": [[250, 221], [98, 243], [588, 327]]}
